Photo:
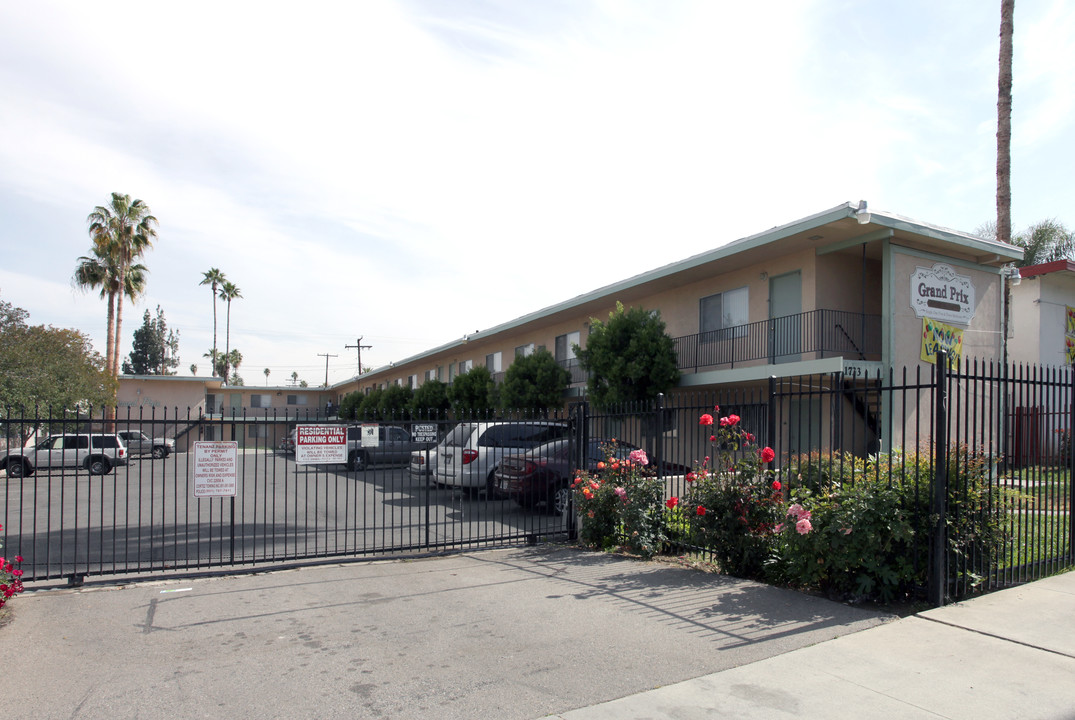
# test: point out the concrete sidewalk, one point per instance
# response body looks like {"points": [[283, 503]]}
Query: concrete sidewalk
{"points": [[1010, 654]]}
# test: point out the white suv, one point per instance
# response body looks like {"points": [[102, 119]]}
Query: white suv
{"points": [[97, 453], [469, 454]]}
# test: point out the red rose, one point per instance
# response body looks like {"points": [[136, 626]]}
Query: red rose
{"points": [[700, 510], [671, 502], [767, 454], [706, 419]]}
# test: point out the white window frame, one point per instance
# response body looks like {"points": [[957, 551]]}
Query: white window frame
{"points": [[732, 318]]}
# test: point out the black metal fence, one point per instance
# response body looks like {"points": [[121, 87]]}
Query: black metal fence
{"points": [[997, 438], [144, 516]]}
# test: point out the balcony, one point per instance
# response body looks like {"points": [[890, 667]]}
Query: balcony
{"points": [[805, 336]]}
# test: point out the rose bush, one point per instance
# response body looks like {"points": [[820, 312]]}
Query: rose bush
{"points": [[10, 577], [619, 505], [733, 504]]}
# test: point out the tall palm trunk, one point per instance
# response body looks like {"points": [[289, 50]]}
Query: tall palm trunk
{"points": [[227, 339], [114, 367], [1004, 122], [214, 332]]}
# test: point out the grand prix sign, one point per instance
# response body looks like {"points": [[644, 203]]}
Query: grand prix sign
{"points": [[942, 294]]}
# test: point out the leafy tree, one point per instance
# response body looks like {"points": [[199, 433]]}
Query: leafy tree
{"points": [[473, 392], [121, 232], [155, 348], [228, 292], [50, 368], [629, 358], [385, 404], [349, 405], [431, 398], [534, 382], [193, 369]]}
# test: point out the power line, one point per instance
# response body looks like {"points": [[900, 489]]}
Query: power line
{"points": [[359, 346], [326, 356]]}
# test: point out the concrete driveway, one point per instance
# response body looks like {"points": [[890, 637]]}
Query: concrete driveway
{"points": [[517, 633]]}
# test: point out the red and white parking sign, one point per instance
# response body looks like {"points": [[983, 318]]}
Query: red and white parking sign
{"points": [[320, 444]]}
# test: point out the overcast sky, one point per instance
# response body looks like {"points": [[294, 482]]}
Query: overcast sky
{"points": [[411, 171]]}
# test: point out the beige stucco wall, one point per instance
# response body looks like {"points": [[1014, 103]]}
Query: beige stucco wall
{"points": [[981, 337], [144, 395]]}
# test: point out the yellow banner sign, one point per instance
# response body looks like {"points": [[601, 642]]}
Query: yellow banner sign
{"points": [[1070, 327], [938, 336], [1069, 349]]}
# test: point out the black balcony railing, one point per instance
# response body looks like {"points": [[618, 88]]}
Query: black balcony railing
{"points": [[804, 336]]}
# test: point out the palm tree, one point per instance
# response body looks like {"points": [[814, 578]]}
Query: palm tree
{"points": [[213, 277], [99, 270], [228, 292], [1004, 122], [121, 232], [193, 369], [1045, 241], [266, 377], [294, 378], [233, 360]]}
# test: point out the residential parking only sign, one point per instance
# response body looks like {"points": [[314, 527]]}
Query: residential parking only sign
{"points": [[320, 444], [216, 468]]}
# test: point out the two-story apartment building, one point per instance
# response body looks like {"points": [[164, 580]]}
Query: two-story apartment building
{"points": [[847, 291], [199, 408]]}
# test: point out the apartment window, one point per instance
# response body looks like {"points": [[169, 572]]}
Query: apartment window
{"points": [[724, 315], [524, 350], [493, 362], [412, 381], [565, 346], [296, 399], [260, 401], [257, 431], [465, 366], [430, 375]]}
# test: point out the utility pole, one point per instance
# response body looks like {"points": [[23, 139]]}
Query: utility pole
{"points": [[326, 356], [360, 347]]}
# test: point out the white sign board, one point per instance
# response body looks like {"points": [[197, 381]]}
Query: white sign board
{"points": [[320, 444], [942, 294], [216, 468], [369, 435], [425, 433]]}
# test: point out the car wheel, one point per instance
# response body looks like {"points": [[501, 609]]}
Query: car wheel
{"points": [[159, 453], [18, 469], [98, 465], [559, 500], [357, 460]]}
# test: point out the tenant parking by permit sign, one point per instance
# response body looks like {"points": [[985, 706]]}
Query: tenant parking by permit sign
{"points": [[320, 444], [216, 468]]}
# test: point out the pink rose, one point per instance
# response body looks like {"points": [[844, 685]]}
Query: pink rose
{"points": [[639, 456], [804, 526]]}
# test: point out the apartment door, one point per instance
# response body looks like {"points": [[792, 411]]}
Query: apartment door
{"points": [[785, 310]]}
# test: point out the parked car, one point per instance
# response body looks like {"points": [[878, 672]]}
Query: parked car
{"points": [[394, 447], [138, 443], [287, 445], [469, 453], [542, 476], [423, 466], [97, 453]]}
